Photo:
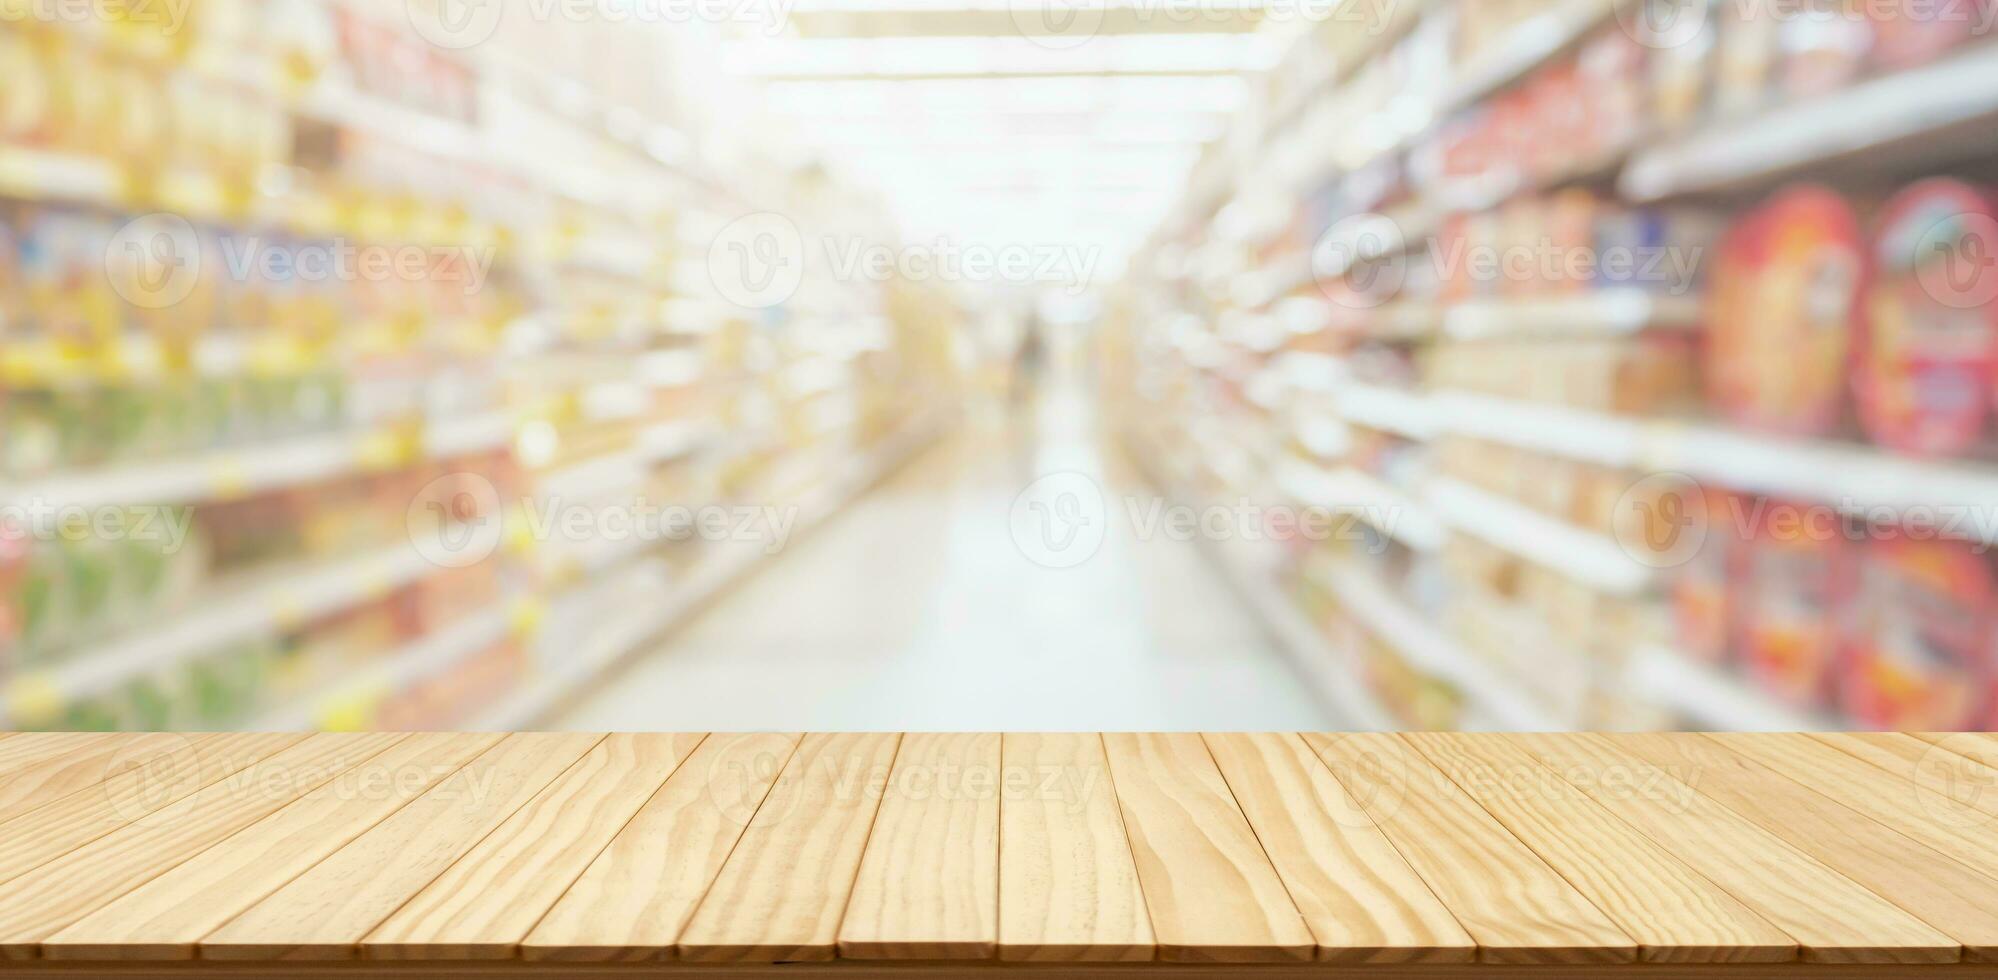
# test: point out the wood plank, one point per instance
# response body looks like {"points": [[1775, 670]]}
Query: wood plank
{"points": [[165, 918], [1068, 886], [1945, 894], [1675, 915], [1516, 907], [636, 897], [324, 913], [781, 894], [490, 899], [1959, 830], [1941, 771], [42, 902], [144, 782], [1833, 919], [1978, 747], [1361, 900], [63, 764], [928, 885], [1211, 890]]}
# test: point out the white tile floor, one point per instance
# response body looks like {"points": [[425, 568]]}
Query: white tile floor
{"points": [[915, 609]]}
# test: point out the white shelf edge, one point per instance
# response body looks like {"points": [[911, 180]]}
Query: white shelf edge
{"points": [[1347, 490], [1710, 696], [1868, 115], [1520, 530]]}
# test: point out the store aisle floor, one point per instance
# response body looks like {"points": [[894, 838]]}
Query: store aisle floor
{"points": [[915, 609]]}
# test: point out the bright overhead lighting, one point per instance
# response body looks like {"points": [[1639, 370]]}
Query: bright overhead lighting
{"points": [[1105, 94], [935, 56]]}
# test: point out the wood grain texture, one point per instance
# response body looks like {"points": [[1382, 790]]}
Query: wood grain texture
{"points": [[928, 884], [1833, 918], [1068, 886], [324, 913], [59, 765], [165, 918], [141, 782], [1516, 907], [1955, 899], [1938, 770], [1942, 820], [636, 897], [1675, 915], [42, 902], [1978, 747], [492, 897], [781, 894], [1211, 890], [1361, 900]]}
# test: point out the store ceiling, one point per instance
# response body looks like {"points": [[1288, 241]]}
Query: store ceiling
{"points": [[980, 124]]}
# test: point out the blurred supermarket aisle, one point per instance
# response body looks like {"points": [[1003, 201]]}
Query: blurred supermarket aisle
{"points": [[915, 609]]}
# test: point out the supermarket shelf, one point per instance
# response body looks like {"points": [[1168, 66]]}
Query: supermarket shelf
{"points": [[422, 658], [254, 468], [1569, 433], [1333, 676], [1350, 491], [1936, 112], [1854, 478], [1608, 311], [1711, 697], [42, 175], [1526, 47], [1520, 530], [285, 599], [540, 696], [1408, 414], [1432, 652]]}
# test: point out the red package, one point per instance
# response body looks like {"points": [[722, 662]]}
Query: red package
{"points": [[1782, 338], [1919, 657], [1796, 574], [1930, 345], [1702, 612]]}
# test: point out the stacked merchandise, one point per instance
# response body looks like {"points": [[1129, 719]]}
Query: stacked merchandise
{"points": [[305, 323], [1651, 356]]}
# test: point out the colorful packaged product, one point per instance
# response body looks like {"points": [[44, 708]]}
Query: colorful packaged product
{"points": [[1930, 345], [1824, 45], [1745, 58], [1910, 34], [1703, 614], [1920, 650], [1680, 64], [1796, 575], [1780, 340]]}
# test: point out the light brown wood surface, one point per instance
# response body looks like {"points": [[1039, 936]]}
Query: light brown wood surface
{"points": [[1068, 887], [782, 893], [928, 884], [1413, 857], [1213, 895], [1361, 900], [1674, 914], [1803, 897], [1517, 908]]}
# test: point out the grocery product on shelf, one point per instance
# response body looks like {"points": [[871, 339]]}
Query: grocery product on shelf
{"points": [[1780, 339], [1929, 350], [1796, 580], [1920, 655]]}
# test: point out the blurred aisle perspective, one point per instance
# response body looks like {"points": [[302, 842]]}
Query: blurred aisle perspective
{"points": [[915, 609]]}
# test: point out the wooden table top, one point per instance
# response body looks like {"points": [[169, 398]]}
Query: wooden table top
{"points": [[1395, 852]]}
